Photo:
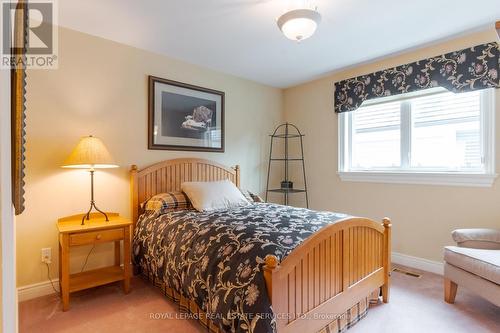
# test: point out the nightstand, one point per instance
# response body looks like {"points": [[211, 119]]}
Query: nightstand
{"points": [[95, 231]]}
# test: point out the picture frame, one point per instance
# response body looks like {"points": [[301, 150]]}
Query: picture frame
{"points": [[184, 117]]}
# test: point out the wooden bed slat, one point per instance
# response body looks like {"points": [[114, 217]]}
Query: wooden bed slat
{"points": [[305, 282], [292, 288], [298, 289]]}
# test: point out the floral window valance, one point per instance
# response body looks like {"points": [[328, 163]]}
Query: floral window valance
{"points": [[469, 69]]}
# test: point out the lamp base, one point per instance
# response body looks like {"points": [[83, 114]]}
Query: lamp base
{"points": [[92, 202], [87, 216]]}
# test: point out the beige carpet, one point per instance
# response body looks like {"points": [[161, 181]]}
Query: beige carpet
{"points": [[416, 306]]}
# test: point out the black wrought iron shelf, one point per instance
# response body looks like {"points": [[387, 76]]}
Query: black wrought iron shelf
{"points": [[287, 131], [287, 136], [286, 190]]}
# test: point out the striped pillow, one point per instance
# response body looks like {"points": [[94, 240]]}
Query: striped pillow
{"points": [[250, 196], [167, 202]]}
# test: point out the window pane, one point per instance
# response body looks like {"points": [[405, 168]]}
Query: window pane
{"points": [[376, 136], [446, 131]]}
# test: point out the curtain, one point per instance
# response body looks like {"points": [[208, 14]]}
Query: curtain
{"points": [[469, 69], [18, 106]]}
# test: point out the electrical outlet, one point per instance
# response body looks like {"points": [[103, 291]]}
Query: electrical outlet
{"points": [[47, 255]]}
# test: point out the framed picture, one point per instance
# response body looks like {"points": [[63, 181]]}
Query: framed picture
{"points": [[185, 117]]}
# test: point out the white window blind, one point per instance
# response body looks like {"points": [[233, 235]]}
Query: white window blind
{"points": [[376, 136], [432, 132], [446, 132]]}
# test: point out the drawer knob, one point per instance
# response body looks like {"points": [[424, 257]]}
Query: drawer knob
{"points": [[98, 236]]}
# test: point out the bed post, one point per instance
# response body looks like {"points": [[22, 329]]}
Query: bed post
{"points": [[271, 264], [134, 198], [237, 180], [387, 259]]}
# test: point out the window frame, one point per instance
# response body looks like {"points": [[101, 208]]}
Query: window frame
{"points": [[406, 175]]}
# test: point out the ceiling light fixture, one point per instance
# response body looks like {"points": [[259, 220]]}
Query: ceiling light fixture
{"points": [[299, 24]]}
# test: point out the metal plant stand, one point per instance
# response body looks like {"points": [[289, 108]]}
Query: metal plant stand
{"points": [[285, 132]]}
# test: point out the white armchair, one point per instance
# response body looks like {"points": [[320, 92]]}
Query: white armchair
{"points": [[474, 264]]}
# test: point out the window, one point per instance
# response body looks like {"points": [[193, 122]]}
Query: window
{"points": [[434, 136]]}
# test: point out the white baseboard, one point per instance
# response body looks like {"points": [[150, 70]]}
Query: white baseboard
{"points": [[35, 290], [418, 263], [44, 288]]}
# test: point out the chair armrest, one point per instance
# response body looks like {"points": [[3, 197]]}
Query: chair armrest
{"points": [[477, 238]]}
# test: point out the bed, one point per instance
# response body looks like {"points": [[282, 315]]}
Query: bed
{"points": [[329, 272]]}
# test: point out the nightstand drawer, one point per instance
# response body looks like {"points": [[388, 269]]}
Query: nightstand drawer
{"points": [[96, 237]]}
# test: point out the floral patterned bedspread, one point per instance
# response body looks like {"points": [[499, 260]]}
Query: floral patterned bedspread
{"points": [[216, 258]]}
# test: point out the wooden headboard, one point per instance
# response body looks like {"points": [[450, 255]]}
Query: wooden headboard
{"points": [[168, 176]]}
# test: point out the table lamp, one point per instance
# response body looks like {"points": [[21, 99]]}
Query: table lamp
{"points": [[90, 153]]}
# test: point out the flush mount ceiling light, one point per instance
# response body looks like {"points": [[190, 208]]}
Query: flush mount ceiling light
{"points": [[299, 24]]}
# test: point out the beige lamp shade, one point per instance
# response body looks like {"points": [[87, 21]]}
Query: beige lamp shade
{"points": [[90, 153], [497, 25]]}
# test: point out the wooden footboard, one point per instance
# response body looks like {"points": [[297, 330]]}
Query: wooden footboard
{"points": [[328, 273]]}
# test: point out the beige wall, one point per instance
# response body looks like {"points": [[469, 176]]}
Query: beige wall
{"points": [[423, 216], [100, 88]]}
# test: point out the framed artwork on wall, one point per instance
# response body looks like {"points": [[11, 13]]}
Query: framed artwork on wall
{"points": [[185, 117]]}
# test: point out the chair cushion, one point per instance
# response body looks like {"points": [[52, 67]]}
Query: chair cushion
{"points": [[477, 238], [484, 263]]}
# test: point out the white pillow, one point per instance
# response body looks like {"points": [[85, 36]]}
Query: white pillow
{"points": [[209, 196]]}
